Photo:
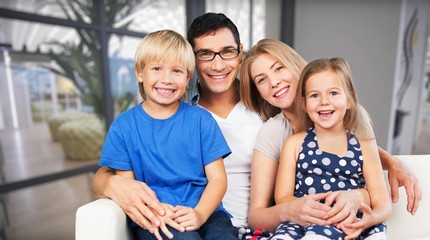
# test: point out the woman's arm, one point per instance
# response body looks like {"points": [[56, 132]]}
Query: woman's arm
{"points": [[303, 211], [286, 174], [135, 198]]}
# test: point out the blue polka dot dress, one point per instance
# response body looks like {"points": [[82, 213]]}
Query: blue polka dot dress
{"points": [[318, 172]]}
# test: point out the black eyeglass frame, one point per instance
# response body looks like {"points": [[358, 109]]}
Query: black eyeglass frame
{"points": [[216, 53]]}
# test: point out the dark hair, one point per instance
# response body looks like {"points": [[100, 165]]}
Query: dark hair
{"points": [[210, 22]]}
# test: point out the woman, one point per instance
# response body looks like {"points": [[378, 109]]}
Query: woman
{"points": [[269, 75]]}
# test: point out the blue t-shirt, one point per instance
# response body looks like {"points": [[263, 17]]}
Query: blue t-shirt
{"points": [[169, 155]]}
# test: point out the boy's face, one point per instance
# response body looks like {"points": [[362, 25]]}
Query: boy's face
{"points": [[164, 83], [217, 75]]}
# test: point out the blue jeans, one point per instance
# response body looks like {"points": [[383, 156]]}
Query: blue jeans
{"points": [[218, 226]]}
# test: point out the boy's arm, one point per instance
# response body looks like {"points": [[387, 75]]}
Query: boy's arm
{"points": [[191, 218], [214, 191]]}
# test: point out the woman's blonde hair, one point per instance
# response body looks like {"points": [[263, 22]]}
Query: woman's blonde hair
{"points": [[249, 94], [354, 119], [163, 46]]}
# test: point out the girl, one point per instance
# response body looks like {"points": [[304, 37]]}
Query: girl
{"points": [[336, 153]]}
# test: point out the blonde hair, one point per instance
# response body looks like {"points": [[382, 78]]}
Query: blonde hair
{"points": [[354, 119], [163, 46], [249, 94]]}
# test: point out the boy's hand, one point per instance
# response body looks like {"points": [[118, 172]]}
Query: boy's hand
{"points": [[188, 218], [165, 220]]}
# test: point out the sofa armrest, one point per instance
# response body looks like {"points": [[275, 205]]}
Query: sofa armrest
{"points": [[101, 219], [401, 224]]}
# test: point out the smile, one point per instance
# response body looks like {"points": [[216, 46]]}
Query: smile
{"points": [[282, 92]]}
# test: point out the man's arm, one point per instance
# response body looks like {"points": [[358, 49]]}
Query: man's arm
{"points": [[135, 198], [399, 175]]}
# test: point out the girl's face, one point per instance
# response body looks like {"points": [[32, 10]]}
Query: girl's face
{"points": [[274, 81], [325, 100], [164, 83]]}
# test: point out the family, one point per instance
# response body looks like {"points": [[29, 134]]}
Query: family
{"points": [[263, 146]]}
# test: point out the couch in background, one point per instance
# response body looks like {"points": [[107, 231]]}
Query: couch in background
{"points": [[104, 219]]}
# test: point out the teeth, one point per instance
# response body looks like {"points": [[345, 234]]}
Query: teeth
{"points": [[218, 77], [281, 92], [164, 90], [326, 112]]}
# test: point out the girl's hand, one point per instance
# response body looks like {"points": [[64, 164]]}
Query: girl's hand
{"points": [[188, 218], [345, 205], [353, 230]]}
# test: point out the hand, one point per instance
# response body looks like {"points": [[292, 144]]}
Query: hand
{"points": [[399, 175], [137, 200], [307, 210], [353, 230], [188, 218], [165, 220], [345, 205]]}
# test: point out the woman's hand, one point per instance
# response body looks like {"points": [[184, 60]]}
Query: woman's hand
{"points": [[354, 229], [307, 210], [345, 205]]}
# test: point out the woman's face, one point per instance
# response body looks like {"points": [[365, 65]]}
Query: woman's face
{"points": [[274, 81]]}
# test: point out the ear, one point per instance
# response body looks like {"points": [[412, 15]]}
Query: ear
{"points": [[303, 104], [241, 53], [348, 105], [138, 75]]}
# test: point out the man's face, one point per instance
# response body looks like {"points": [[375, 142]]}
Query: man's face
{"points": [[217, 75]]}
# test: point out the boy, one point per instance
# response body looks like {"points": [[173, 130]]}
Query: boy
{"points": [[174, 148]]}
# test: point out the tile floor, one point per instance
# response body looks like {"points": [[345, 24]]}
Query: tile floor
{"points": [[47, 211]]}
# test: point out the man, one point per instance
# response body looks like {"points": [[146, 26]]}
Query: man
{"points": [[216, 43]]}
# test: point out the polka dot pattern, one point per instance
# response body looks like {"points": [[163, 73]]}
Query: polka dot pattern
{"points": [[323, 171]]}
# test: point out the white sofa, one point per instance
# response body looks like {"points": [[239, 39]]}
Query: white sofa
{"points": [[103, 219]]}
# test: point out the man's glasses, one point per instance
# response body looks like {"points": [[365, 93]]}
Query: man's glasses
{"points": [[226, 54]]}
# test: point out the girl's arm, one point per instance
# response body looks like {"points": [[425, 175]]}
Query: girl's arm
{"points": [[398, 174], [192, 219], [375, 183]]}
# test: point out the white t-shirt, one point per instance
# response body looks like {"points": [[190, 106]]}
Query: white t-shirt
{"points": [[240, 129]]}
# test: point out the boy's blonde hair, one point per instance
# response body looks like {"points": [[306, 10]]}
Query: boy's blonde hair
{"points": [[249, 94], [354, 119], [163, 46]]}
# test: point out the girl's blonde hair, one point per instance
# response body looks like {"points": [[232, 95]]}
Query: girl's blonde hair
{"points": [[354, 119], [249, 94], [163, 46]]}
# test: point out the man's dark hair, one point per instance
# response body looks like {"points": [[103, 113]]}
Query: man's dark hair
{"points": [[210, 22]]}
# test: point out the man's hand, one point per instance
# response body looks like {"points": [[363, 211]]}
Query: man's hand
{"points": [[136, 199], [399, 175]]}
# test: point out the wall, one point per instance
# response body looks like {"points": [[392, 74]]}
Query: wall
{"points": [[407, 99], [365, 33]]}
